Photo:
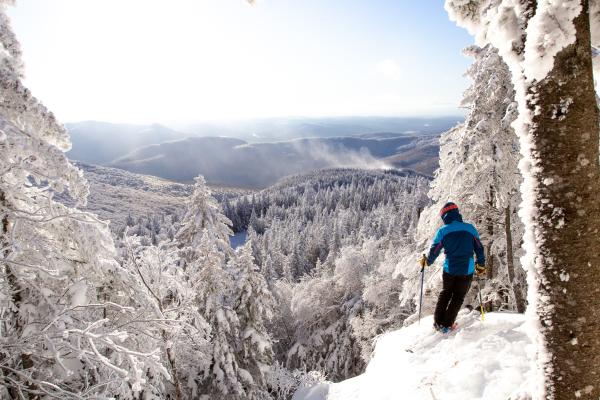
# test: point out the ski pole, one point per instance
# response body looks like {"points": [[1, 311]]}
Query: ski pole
{"points": [[480, 302], [421, 296]]}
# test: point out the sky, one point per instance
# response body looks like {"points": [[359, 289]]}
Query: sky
{"points": [[144, 61]]}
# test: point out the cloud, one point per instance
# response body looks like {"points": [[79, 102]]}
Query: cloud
{"points": [[389, 69], [336, 155]]}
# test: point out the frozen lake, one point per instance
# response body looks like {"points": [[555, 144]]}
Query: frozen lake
{"points": [[238, 239]]}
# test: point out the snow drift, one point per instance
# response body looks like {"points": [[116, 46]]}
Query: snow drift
{"points": [[481, 360]]}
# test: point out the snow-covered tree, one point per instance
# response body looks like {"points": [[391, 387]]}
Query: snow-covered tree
{"points": [[324, 306], [203, 242], [59, 281], [167, 315], [253, 304], [203, 216], [223, 375], [547, 46]]}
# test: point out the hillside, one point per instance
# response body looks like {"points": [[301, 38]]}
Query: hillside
{"points": [[421, 155], [96, 142], [482, 360], [233, 162], [116, 194]]}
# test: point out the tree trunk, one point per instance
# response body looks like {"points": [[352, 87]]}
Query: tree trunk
{"points": [[490, 233], [171, 359], [510, 263], [489, 257], [564, 131]]}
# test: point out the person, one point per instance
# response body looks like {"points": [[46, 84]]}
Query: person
{"points": [[459, 241]]}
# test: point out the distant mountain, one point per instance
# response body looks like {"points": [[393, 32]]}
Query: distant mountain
{"points": [[258, 160], [270, 129], [102, 142], [234, 162], [182, 160]]}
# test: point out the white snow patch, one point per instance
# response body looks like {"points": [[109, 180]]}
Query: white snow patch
{"points": [[560, 110], [318, 392], [549, 31], [548, 181], [564, 276], [482, 360], [78, 293]]}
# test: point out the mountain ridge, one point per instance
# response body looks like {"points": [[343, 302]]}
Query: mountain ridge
{"points": [[235, 162]]}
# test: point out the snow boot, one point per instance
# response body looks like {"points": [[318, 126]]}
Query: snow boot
{"points": [[445, 329]]}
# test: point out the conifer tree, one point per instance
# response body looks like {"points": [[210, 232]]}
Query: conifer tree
{"points": [[203, 242], [203, 216], [254, 307], [223, 376]]}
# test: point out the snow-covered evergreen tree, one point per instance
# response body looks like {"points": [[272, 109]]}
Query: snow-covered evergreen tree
{"points": [[223, 375], [325, 306], [203, 216], [203, 242], [254, 305], [59, 281]]}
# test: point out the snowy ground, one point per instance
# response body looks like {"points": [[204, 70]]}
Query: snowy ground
{"points": [[482, 360]]}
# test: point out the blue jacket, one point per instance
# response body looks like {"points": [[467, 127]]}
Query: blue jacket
{"points": [[459, 241]]}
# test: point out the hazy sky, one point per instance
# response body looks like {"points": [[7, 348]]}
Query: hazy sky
{"points": [[192, 60]]}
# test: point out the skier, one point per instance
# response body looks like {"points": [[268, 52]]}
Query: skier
{"points": [[459, 240]]}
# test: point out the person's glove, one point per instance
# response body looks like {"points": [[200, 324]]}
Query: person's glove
{"points": [[423, 261], [480, 270]]}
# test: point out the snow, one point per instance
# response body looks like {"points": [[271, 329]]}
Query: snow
{"points": [[549, 31], [318, 392], [481, 360], [78, 294]]}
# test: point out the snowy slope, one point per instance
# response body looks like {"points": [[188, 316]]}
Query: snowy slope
{"points": [[482, 360], [115, 194]]}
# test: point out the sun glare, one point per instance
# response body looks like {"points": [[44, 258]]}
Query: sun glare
{"points": [[157, 60]]}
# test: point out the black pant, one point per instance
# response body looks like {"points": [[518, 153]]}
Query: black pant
{"points": [[451, 298]]}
